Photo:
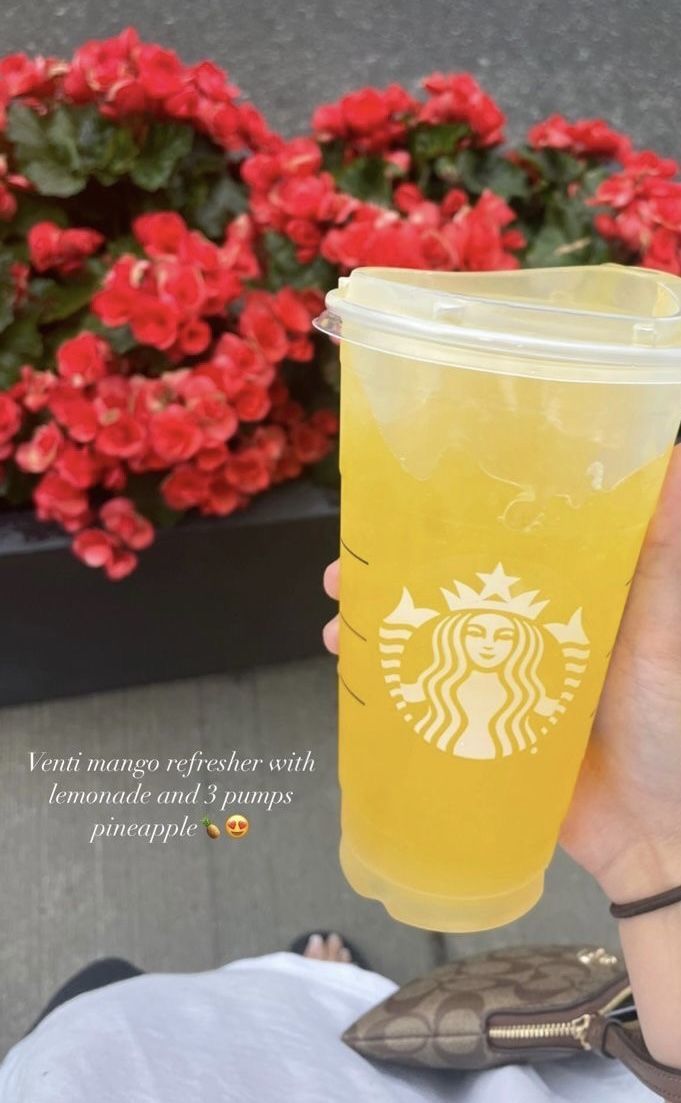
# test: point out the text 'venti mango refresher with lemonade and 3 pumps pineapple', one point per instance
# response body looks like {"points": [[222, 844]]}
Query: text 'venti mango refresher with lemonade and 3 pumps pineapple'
{"points": [[504, 438]]}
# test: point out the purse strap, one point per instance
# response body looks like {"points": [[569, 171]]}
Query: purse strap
{"points": [[626, 1044]]}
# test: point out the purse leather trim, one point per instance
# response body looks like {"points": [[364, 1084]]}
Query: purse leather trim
{"points": [[625, 1043]]}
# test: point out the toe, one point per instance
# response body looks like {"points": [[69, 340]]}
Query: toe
{"points": [[315, 948]]}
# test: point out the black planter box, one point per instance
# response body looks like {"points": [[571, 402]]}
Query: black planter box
{"points": [[209, 596]]}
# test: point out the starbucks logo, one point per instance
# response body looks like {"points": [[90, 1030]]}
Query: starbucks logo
{"points": [[481, 693]]}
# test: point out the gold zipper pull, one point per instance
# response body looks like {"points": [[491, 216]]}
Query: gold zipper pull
{"points": [[580, 1029]]}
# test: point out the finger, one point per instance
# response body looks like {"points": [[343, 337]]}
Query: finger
{"points": [[653, 610], [664, 531], [332, 579], [330, 636]]}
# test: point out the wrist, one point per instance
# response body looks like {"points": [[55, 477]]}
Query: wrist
{"points": [[642, 869]]}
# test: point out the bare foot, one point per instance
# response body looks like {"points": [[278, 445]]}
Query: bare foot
{"points": [[330, 948]]}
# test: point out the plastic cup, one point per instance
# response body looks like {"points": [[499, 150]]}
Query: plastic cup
{"points": [[504, 437]]}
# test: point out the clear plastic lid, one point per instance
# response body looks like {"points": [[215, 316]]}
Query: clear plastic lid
{"points": [[609, 321]]}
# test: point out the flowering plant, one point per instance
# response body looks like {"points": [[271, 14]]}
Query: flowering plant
{"points": [[163, 253]]}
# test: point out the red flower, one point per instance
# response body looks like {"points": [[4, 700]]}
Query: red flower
{"points": [[374, 237], [120, 518], [326, 421], [97, 548], [182, 285], [310, 444], [457, 97], [83, 360], [58, 500], [8, 204], [585, 137], [370, 118], [94, 547], [301, 350], [258, 323], [194, 337], [154, 323], [34, 388], [252, 403], [221, 497], [236, 362], [288, 467], [211, 412], [122, 564], [160, 71], [184, 487], [291, 310], [248, 471], [38, 453], [76, 466], [75, 413], [174, 434], [453, 201], [51, 247], [120, 436], [365, 110], [407, 197], [99, 65], [300, 157], [161, 233], [210, 458], [663, 251], [10, 418], [238, 250], [271, 439], [476, 238]]}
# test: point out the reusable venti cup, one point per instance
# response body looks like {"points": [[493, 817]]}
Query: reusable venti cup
{"points": [[504, 437]]}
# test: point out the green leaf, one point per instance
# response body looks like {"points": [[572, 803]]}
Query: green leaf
{"points": [[18, 486], [165, 145], [429, 142], [7, 258], [552, 247], [283, 267], [46, 149], [542, 252], [119, 337], [477, 170], [57, 301], [24, 129], [20, 343], [62, 137], [146, 494], [333, 154], [123, 246], [108, 149], [223, 200], [34, 208], [553, 165], [593, 177], [51, 178], [366, 178]]}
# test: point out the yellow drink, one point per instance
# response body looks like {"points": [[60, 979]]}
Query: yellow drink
{"points": [[490, 525]]}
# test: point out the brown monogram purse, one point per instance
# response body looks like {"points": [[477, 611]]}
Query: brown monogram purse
{"points": [[526, 1004]]}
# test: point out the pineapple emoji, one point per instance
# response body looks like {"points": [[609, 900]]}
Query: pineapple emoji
{"points": [[212, 829]]}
